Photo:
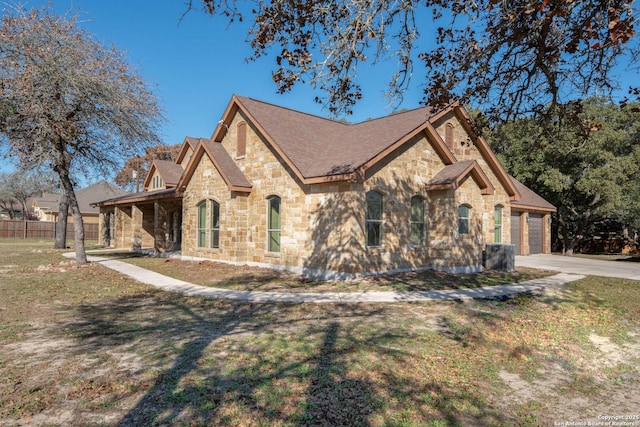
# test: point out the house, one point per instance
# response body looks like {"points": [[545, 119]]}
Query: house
{"points": [[47, 206], [283, 189]]}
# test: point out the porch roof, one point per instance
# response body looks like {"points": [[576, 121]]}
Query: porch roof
{"points": [[143, 197]]}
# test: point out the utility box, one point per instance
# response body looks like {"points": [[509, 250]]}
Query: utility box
{"points": [[500, 257]]}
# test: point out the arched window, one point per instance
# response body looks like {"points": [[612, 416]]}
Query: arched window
{"points": [[417, 221], [464, 212], [449, 135], [497, 224], [241, 143], [214, 232], [273, 224], [201, 233], [373, 220]]}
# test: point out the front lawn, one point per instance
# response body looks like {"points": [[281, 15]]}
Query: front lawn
{"points": [[87, 346]]}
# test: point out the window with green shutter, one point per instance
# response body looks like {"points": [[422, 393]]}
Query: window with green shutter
{"points": [[215, 224], [417, 221], [201, 233], [373, 221], [273, 224]]}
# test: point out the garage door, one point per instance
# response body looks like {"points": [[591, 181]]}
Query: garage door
{"points": [[515, 231], [535, 233]]}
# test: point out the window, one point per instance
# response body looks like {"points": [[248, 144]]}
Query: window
{"points": [[156, 182], [497, 224], [215, 225], [241, 147], [463, 219], [417, 221], [202, 224], [374, 218], [273, 224]]}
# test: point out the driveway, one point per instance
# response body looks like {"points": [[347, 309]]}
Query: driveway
{"points": [[585, 266]]}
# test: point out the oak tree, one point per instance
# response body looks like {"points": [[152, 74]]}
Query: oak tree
{"points": [[68, 102], [509, 57], [591, 181]]}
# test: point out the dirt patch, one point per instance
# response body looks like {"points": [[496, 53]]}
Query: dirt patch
{"points": [[594, 384]]}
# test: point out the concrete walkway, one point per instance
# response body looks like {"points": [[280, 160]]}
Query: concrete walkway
{"points": [[584, 266], [173, 285]]}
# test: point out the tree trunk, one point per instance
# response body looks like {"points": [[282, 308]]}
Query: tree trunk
{"points": [[61, 228], [81, 256], [62, 167]]}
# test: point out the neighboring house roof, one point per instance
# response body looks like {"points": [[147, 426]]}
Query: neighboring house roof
{"points": [[530, 200], [451, 176], [230, 172], [87, 197], [169, 171]]}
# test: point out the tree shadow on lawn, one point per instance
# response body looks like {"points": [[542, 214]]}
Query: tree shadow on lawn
{"points": [[229, 363]]}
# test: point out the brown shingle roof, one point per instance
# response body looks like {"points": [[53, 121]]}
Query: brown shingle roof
{"points": [[320, 147], [87, 197], [529, 199], [230, 172], [169, 171], [451, 176]]}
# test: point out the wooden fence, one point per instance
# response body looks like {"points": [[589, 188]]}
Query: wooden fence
{"points": [[19, 229]]}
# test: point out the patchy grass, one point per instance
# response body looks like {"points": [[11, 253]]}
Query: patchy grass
{"points": [[226, 276], [86, 346]]}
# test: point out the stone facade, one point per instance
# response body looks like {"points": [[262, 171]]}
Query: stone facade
{"points": [[323, 225], [322, 221]]}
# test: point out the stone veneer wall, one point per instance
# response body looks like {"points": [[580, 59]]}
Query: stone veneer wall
{"points": [[465, 149], [323, 225]]}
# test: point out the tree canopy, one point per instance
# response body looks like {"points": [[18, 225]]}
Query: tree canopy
{"points": [[589, 180], [508, 57], [69, 103]]}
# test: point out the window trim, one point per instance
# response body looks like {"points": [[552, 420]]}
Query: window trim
{"points": [[274, 231], [421, 222], [498, 225], [370, 223], [464, 219], [214, 229], [201, 232]]}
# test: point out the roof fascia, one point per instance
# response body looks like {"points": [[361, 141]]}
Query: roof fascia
{"points": [[221, 172], [488, 154], [184, 149], [438, 144], [432, 136], [200, 150], [191, 167], [147, 180], [477, 174], [529, 208], [227, 117]]}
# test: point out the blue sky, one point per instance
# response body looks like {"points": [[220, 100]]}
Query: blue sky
{"points": [[197, 64]]}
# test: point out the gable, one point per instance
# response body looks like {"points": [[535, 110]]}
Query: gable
{"points": [[456, 130], [321, 150], [186, 151], [224, 164], [452, 176]]}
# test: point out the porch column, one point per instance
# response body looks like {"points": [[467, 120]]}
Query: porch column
{"points": [[136, 228], [159, 227]]}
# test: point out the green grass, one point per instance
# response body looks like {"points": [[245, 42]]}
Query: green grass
{"points": [[104, 349]]}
